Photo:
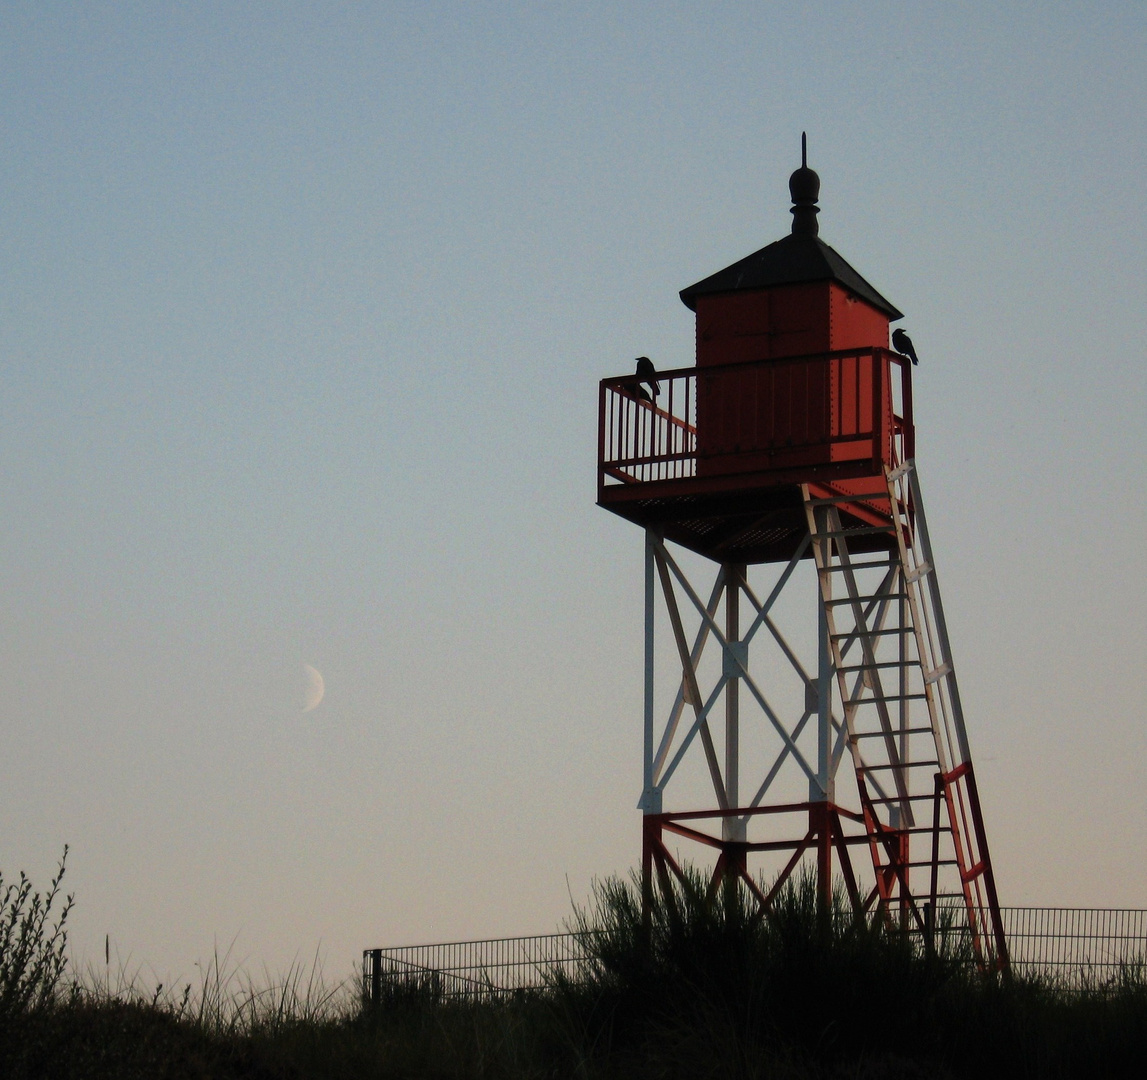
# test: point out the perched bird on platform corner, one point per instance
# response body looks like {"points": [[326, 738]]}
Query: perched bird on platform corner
{"points": [[902, 343], [647, 373]]}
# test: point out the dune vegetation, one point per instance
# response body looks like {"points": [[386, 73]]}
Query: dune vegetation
{"points": [[705, 990]]}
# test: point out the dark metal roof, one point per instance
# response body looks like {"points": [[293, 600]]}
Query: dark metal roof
{"points": [[793, 260]]}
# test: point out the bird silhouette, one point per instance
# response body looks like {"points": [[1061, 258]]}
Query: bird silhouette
{"points": [[647, 373], [902, 343]]}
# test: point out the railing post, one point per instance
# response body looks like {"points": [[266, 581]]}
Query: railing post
{"points": [[906, 407], [601, 439]]}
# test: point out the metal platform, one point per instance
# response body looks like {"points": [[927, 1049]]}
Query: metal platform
{"points": [[733, 493]]}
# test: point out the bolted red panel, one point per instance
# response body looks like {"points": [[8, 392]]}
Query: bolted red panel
{"points": [[791, 320], [853, 323], [857, 382], [771, 415]]}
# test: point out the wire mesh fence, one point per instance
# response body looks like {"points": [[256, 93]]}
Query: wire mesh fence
{"points": [[475, 968], [1076, 944], [1070, 946]]}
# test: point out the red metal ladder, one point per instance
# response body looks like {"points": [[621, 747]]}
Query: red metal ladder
{"points": [[903, 723]]}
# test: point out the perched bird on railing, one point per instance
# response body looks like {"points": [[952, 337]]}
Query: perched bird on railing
{"points": [[647, 373], [902, 343], [636, 390]]}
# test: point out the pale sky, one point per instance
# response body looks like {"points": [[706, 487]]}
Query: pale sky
{"points": [[302, 311]]}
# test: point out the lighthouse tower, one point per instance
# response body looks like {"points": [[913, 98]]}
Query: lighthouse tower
{"points": [[787, 455]]}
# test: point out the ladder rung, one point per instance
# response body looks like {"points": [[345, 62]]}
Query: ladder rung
{"points": [[867, 565], [902, 765], [865, 599], [901, 731], [893, 799], [919, 572], [887, 697], [866, 633], [936, 674], [923, 862], [899, 471], [881, 664]]}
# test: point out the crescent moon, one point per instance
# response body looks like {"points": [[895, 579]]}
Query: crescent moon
{"points": [[315, 688]]}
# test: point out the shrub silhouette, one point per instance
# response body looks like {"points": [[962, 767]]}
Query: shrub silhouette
{"points": [[32, 946]]}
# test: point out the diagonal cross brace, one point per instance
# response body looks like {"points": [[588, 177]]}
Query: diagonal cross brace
{"points": [[690, 674], [679, 701], [701, 718], [665, 563]]}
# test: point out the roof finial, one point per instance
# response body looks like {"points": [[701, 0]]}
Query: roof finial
{"points": [[804, 186]]}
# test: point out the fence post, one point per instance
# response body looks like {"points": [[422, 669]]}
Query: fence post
{"points": [[375, 976]]}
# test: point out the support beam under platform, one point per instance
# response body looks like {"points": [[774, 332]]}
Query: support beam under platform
{"points": [[877, 691]]}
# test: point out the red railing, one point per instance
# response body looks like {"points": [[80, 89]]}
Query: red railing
{"points": [[767, 414], [642, 437]]}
